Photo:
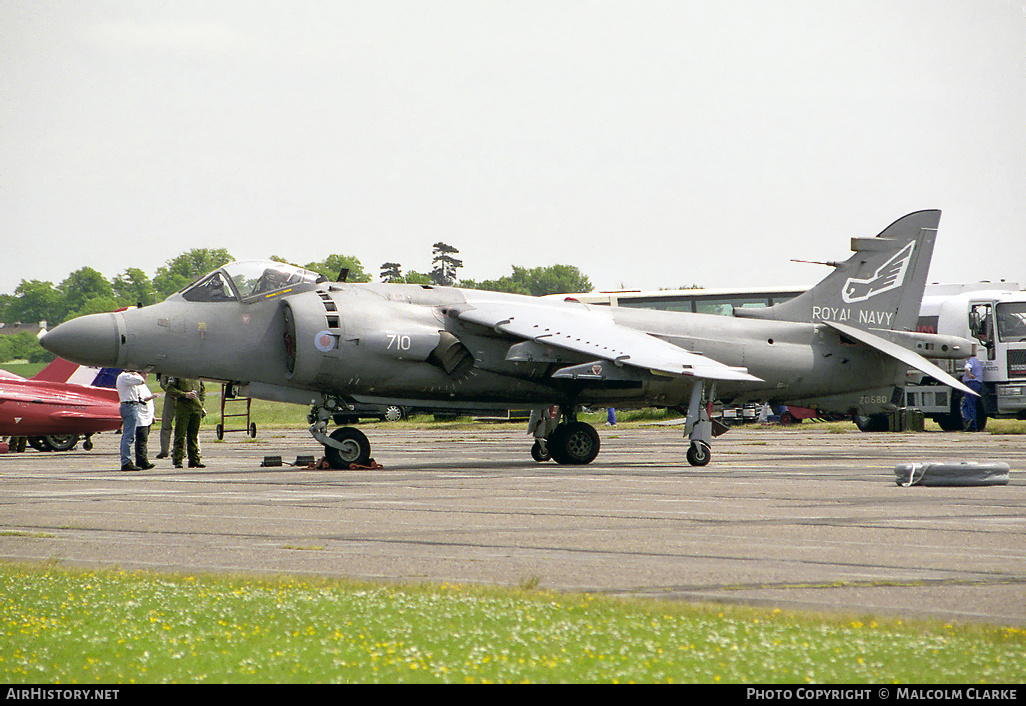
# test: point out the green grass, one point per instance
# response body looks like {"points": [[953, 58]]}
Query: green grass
{"points": [[73, 626], [24, 369]]}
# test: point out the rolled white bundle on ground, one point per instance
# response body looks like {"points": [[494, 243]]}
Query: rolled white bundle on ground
{"points": [[952, 473]]}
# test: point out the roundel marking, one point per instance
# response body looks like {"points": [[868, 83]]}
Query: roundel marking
{"points": [[324, 341]]}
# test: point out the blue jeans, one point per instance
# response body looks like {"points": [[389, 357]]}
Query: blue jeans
{"points": [[969, 406], [129, 421]]}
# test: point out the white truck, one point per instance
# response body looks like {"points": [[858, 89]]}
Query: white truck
{"points": [[994, 314]]}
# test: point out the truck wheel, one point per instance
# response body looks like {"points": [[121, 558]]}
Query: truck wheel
{"points": [[871, 423]]}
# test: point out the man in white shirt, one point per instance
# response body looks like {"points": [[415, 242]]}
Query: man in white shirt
{"points": [[134, 397], [147, 414]]}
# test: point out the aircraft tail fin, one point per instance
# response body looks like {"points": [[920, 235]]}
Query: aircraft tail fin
{"points": [[61, 370], [879, 287]]}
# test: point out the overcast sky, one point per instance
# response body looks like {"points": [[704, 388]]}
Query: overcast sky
{"points": [[651, 144]]}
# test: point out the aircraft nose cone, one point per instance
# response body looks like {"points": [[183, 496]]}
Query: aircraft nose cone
{"points": [[87, 340]]}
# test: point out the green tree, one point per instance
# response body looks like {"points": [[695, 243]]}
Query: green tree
{"points": [[34, 301], [86, 291], [391, 272], [133, 287], [186, 268], [5, 301], [414, 277], [539, 281], [445, 264], [94, 305], [6, 349], [331, 266], [23, 346]]}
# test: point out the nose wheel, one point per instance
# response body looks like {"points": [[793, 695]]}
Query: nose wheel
{"points": [[344, 446], [351, 447], [698, 453], [540, 451]]}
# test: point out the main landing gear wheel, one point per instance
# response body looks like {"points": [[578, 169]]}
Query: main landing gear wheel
{"points": [[576, 443], [699, 453], [355, 448], [538, 455], [62, 442], [39, 443]]}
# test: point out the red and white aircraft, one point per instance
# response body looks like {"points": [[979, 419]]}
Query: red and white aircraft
{"points": [[59, 405]]}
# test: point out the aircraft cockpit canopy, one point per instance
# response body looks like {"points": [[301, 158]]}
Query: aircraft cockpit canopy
{"points": [[249, 281]]}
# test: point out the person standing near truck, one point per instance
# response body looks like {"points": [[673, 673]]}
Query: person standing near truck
{"points": [[973, 379]]}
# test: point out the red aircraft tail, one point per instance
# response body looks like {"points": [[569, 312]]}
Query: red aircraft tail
{"points": [[61, 370]]}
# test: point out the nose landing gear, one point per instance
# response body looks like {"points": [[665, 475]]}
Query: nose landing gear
{"points": [[343, 447]]}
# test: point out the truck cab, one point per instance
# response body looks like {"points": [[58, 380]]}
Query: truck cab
{"points": [[996, 320]]}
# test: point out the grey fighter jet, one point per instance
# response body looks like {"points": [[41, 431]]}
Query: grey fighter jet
{"points": [[281, 333]]}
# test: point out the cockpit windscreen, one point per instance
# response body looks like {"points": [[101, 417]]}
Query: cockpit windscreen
{"points": [[247, 281]]}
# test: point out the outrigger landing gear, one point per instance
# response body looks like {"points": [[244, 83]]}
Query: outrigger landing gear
{"points": [[566, 441], [345, 445], [698, 425]]}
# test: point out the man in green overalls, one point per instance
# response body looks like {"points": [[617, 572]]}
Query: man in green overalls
{"points": [[189, 396]]}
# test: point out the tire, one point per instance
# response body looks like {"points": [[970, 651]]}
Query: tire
{"points": [[219, 431], [356, 448], [252, 430], [871, 423], [575, 444], [699, 454], [954, 421], [981, 418], [557, 442], [62, 442], [394, 413], [949, 422], [537, 455], [39, 443]]}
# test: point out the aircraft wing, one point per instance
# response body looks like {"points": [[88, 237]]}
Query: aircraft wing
{"points": [[92, 413], [583, 331], [56, 394], [903, 354], [29, 395]]}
